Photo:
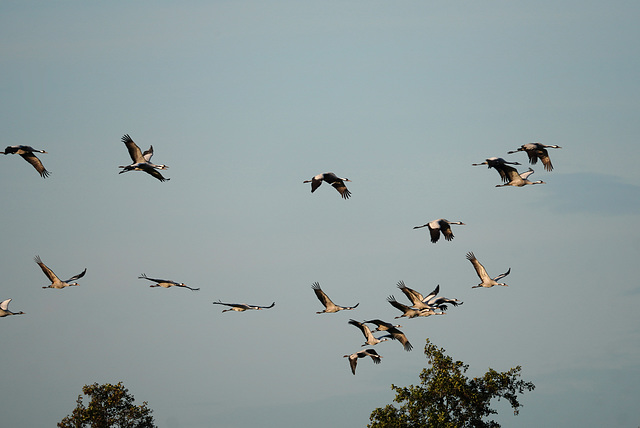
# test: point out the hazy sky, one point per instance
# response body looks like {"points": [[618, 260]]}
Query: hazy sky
{"points": [[246, 99]]}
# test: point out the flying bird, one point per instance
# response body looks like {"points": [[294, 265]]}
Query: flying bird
{"points": [[141, 161], [368, 335], [166, 283], [241, 307], [353, 358], [334, 180], [440, 225], [409, 312], [55, 281], [487, 281], [5, 312], [330, 307], [27, 154], [518, 179], [497, 164], [393, 332], [537, 151]]}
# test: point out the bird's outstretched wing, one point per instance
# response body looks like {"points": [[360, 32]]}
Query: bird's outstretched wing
{"points": [[392, 300], [413, 295], [134, 150], [153, 172], [78, 276], [148, 154], [144, 276], [48, 272], [342, 188], [480, 270], [502, 275], [37, 164], [400, 337], [266, 307], [322, 296]]}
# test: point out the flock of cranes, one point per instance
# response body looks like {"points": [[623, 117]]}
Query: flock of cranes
{"points": [[420, 306], [510, 176]]}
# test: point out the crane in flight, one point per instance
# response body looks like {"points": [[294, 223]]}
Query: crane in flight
{"points": [[353, 358], [440, 225], [334, 180], [27, 154], [55, 281], [5, 312], [537, 151], [241, 307], [330, 307], [487, 281], [166, 283], [141, 161]]}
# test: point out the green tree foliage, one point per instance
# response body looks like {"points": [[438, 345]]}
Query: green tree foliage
{"points": [[109, 406], [446, 398]]}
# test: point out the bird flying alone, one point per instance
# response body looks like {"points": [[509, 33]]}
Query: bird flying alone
{"points": [[5, 312], [241, 307], [330, 307], [55, 281], [487, 281], [440, 225], [353, 358], [166, 283], [27, 154], [537, 151], [334, 180], [141, 161]]}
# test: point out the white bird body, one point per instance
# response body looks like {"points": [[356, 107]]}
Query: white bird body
{"points": [[166, 283], [241, 307], [537, 151], [487, 281], [141, 161], [4, 309], [517, 179], [27, 154], [330, 307], [353, 358], [440, 225], [409, 312], [334, 180], [55, 281]]}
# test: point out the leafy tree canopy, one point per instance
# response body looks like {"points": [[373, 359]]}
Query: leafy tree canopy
{"points": [[109, 406], [446, 398]]}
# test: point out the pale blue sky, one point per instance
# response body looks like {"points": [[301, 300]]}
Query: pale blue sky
{"points": [[244, 101]]}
